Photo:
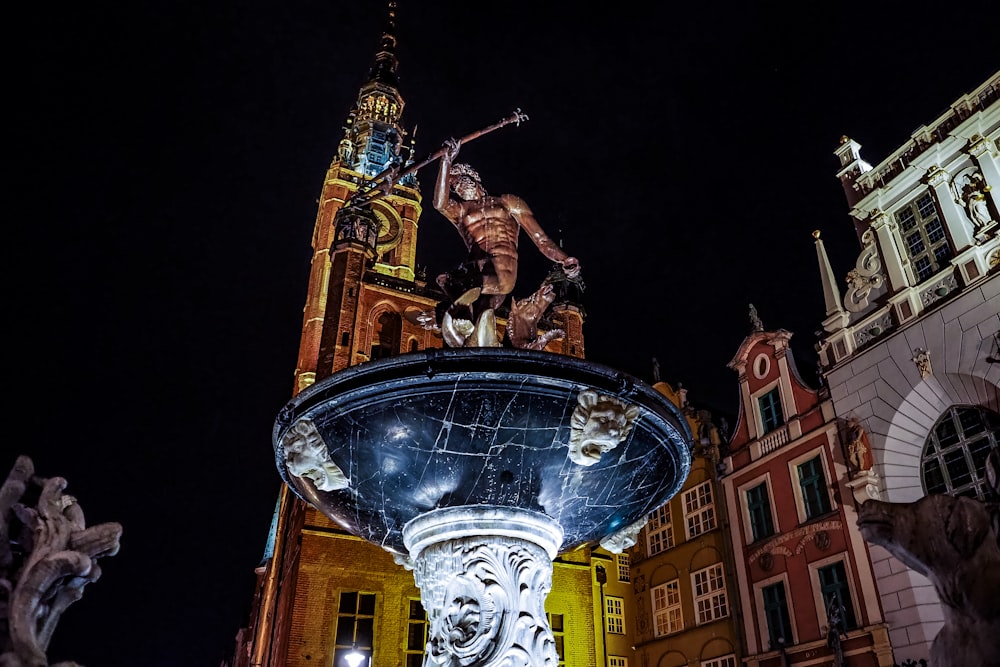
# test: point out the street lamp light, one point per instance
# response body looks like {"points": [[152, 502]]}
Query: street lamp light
{"points": [[355, 658]]}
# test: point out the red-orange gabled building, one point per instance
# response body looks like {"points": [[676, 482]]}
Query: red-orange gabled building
{"points": [[799, 558]]}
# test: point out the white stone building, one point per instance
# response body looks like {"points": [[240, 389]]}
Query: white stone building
{"points": [[911, 349]]}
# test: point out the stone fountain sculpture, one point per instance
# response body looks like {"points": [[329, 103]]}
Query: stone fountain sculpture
{"points": [[476, 465], [955, 542], [47, 556]]}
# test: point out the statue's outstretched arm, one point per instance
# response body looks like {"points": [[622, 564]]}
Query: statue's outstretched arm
{"points": [[521, 212]]}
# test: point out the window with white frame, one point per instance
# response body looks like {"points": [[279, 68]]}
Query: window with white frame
{"points": [[924, 237], [623, 567], [759, 511], [836, 592], [771, 416], [812, 482], [617, 661], [710, 599], [723, 661], [614, 617], [659, 531], [954, 457], [667, 616], [699, 509], [779, 621]]}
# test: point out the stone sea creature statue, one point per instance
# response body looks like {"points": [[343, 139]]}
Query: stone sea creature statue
{"points": [[953, 541], [47, 556]]}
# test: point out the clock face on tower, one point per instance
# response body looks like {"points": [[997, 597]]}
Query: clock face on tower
{"points": [[389, 227]]}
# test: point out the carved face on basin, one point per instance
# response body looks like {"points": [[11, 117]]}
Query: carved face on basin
{"points": [[598, 425], [306, 457]]}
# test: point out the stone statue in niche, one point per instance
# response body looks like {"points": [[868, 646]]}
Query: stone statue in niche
{"points": [[922, 358], [47, 556], [598, 424], [489, 227], [969, 188], [954, 542], [859, 453], [307, 457]]}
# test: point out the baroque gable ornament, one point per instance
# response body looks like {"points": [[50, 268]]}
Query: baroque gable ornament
{"points": [[865, 276]]}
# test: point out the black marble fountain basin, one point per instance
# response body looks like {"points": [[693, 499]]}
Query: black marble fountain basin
{"points": [[483, 427]]}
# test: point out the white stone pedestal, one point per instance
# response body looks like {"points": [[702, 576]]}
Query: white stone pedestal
{"points": [[483, 573]]}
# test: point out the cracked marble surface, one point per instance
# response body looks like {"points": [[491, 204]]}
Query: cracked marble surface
{"points": [[448, 428]]}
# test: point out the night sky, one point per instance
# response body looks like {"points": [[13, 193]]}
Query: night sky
{"points": [[166, 161]]}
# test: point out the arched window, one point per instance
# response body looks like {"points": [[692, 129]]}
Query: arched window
{"points": [[385, 338], [954, 459]]}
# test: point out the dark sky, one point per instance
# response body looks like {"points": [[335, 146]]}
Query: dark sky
{"points": [[167, 159]]}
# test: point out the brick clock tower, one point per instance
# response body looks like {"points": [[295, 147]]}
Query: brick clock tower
{"points": [[322, 592]]}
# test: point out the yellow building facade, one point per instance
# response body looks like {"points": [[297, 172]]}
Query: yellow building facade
{"points": [[683, 595]]}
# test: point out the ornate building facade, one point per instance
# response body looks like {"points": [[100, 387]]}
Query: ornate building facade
{"points": [[683, 591], [322, 592], [805, 582], [911, 347]]}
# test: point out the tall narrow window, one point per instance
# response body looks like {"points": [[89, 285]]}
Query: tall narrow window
{"points": [[624, 573], [954, 459], [659, 532], [771, 416], [617, 661], [416, 634], [699, 509], [759, 508], [923, 237], [559, 634], [833, 585], [614, 614], [667, 617], [710, 599], [812, 481], [779, 625], [355, 625]]}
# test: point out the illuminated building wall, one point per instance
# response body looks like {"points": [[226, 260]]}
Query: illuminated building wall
{"points": [[682, 592], [911, 345]]}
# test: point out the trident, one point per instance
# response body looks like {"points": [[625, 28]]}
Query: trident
{"points": [[382, 183]]}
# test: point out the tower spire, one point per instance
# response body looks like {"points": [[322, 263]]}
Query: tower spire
{"points": [[373, 138], [383, 70]]}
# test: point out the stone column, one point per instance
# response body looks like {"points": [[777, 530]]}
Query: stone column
{"points": [[955, 220], [885, 229]]}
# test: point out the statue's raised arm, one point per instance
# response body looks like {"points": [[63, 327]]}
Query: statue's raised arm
{"points": [[490, 227]]}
